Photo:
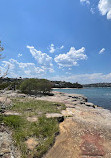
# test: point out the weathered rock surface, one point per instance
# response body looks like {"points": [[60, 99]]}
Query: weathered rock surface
{"points": [[32, 119], [31, 143], [12, 113], [59, 117], [5, 100], [86, 131], [7, 148]]}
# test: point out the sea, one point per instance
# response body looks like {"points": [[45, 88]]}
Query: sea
{"points": [[99, 96]]}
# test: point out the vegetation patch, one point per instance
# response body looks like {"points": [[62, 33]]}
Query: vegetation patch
{"points": [[32, 107], [36, 86], [40, 134]]}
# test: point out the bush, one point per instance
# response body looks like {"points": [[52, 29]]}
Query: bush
{"points": [[36, 86], [4, 85]]}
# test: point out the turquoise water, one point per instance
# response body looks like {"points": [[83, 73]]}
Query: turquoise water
{"points": [[98, 96]]}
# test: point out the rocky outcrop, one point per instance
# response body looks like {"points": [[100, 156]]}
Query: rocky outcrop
{"points": [[7, 148], [85, 132]]}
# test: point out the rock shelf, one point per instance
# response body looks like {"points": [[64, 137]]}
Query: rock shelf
{"points": [[85, 131]]}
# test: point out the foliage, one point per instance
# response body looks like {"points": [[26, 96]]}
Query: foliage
{"points": [[4, 85], [36, 86], [5, 73], [1, 48], [63, 84], [98, 85]]}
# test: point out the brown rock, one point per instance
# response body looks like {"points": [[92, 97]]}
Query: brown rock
{"points": [[32, 119], [31, 143]]}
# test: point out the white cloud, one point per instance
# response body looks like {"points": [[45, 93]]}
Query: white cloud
{"points": [[71, 58], [102, 51], [85, 1], [19, 55], [85, 78], [105, 8], [70, 69], [92, 10], [51, 48], [17, 69], [41, 58], [62, 47]]}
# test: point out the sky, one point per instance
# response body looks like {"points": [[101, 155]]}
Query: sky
{"points": [[68, 40]]}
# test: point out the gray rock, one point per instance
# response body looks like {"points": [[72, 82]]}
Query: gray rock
{"points": [[59, 117], [90, 104]]}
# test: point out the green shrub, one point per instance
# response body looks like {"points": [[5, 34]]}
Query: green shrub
{"points": [[35, 86], [4, 85]]}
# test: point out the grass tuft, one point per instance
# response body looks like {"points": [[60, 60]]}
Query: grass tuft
{"points": [[44, 129]]}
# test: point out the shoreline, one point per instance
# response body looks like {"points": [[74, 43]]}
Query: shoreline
{"points": [[85, 131], [98, 96]]}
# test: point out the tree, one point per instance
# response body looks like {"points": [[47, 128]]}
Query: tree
{"points": [[5, 73], [36, 86], [1, 49]]}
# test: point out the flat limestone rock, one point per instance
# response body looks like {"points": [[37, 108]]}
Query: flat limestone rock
{"points": [[5, 100], [59, 117], [89, 104], [32, 119], [12, 113], [70, 106], [31, 143], [67, 113], [53, 115]]}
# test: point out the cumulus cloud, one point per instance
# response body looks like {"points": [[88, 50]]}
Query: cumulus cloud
{"points": [[105, 8], [41, 58], [71, 58], [102, 51], [92, 10], [85, 78], [62, 47], [51, 48], [17, 69], [85, 1], [19, 55]]}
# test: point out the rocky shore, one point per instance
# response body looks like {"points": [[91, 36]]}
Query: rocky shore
{"points": [[84, 133]]}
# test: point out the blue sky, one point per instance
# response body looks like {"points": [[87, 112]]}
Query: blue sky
{"points": [[57, 40]]}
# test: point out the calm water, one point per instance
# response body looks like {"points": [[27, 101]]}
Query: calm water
{"points": [[98, 96]]}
